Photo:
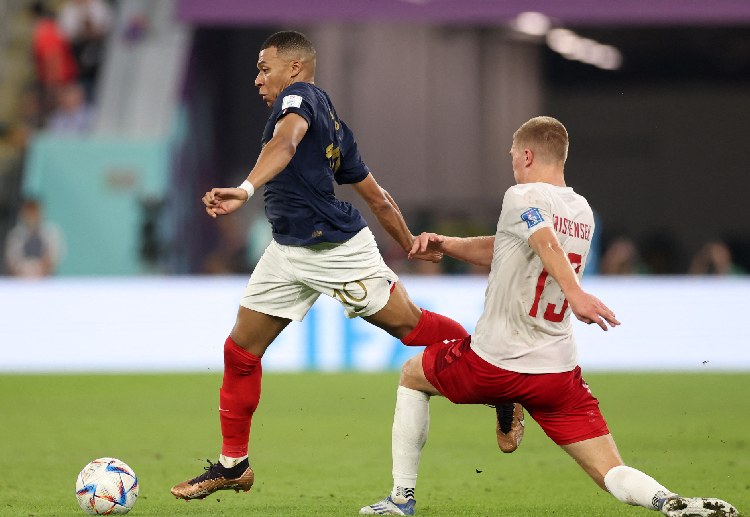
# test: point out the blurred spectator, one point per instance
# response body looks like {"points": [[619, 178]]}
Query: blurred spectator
{"points": [[72, 115], [53, 58], [34, 247], [714, 258], [136, 29], [230, 255], [662, 254], [621, 258], [86, 24]]}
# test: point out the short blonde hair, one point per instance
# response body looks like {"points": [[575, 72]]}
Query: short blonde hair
{"points": [[546, 136]]}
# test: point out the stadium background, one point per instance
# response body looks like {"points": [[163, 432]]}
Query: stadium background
{"points": [[654, 96]]}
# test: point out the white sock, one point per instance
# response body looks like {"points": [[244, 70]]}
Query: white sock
{"points": [[411, 423], [230, 462], [633, 487]]}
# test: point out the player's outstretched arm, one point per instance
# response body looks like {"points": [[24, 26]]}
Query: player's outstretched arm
{"points": [[474, 250], [586, 307], [273, 158], [388, 214]]}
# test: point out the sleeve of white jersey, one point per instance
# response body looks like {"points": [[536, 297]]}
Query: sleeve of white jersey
{"points": [[526, 210]]}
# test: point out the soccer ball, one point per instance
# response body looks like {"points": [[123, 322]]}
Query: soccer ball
{"points": [[106, 486]]}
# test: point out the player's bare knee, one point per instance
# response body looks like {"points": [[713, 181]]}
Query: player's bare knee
{"points": [[410, 373]]}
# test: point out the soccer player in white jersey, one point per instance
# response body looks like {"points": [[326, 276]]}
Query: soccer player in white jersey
{"points": [[523, 348]]}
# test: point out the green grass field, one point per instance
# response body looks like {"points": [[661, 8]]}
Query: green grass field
{"points": [[321, 445]]}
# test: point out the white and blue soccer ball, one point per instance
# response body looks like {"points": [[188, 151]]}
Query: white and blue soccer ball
{"points": [[106, 486]]}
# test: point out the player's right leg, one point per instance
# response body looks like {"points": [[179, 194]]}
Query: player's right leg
{"points": [[411, 424], [238, 399], [401, 318], [450, 369], [273, 297]]}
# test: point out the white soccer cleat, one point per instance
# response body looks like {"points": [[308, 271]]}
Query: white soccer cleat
{"points": [[390, 507], [698, 507]]}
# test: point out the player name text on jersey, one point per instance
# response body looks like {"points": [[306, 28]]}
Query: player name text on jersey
{"points": [[566, 226]]}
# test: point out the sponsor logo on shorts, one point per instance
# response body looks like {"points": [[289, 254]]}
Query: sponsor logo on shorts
{"points": [[352, 294]]}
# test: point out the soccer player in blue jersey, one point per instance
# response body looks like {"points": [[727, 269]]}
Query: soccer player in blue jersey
{"points": [[320, 245]]}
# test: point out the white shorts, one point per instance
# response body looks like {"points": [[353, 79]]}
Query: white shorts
{"points": [[288, 279]]}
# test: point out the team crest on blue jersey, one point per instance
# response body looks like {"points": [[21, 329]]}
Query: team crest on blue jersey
{"points": [[532, 217]]}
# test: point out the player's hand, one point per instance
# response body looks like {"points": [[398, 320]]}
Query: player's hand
{"points": [[590, 309], [222, 201], [427, 246]]}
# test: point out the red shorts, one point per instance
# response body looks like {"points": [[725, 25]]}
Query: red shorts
{"points": [[561, 403]]}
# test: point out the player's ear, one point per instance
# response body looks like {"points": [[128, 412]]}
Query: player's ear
{"points": [[528, 156], [295, 67]]}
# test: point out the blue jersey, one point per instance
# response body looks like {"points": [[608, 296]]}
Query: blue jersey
{"points": [[300, 201]]}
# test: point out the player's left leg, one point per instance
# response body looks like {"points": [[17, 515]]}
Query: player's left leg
{"points": [[601, 460], [596, 456], [569, 414], [402, 319], [355, 274], [571, 417]]}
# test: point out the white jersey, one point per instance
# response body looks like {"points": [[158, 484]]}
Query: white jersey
{"points": [[525, 326]]}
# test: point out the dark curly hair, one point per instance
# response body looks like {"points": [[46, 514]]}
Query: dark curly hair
{"points": [[289, 41]]}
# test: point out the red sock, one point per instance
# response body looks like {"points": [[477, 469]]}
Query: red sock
{"points": [[432, 328], [238, 398]]}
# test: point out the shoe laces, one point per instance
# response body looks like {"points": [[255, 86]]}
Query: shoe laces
{"points": [[213, 471]]}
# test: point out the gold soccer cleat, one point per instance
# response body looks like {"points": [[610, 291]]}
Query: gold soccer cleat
{"points": [[216, 477], [509, 426]]}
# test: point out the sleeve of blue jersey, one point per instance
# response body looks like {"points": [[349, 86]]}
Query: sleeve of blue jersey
{"points": [[353, 169], [305, 110]]}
